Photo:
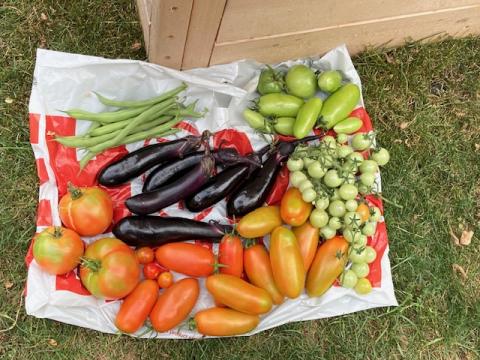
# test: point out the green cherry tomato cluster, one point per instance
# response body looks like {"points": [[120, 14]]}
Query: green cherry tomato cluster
{"points": [[288, 105], [334, 176]]}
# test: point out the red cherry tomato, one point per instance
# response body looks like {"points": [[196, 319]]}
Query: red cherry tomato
{"points": [[165, 279], [145, 255], [152, 270]]}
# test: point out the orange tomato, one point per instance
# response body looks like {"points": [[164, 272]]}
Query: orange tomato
{"points": [[239, 294], [136, 307], [259, 222], [327, 265], [293, 209], [259, 271], [287, 263], [224, 322], [174, 304], [165, 280], [307, 237], [230, 255], [88, 211], [185, 258], [364, 211], [145, 255]]}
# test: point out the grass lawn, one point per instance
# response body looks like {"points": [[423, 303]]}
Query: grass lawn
{"points": [[424, 101]]}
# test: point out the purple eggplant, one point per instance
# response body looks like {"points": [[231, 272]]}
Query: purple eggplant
{"points": [[254, 193], [156, 230], [224, 183], [188, 184], [139, 161], [174, 169]]}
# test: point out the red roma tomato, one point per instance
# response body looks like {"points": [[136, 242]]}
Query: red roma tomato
{"points": [[259, 271], [174, 304], [152, 270], [165, 280], [88, 211], [224, 322], [287, 262], [239, 294], [293, 209], [145, 255], [185, 258], [307, 237], [57, 250], [230, 254], [327, 265], [136, 307], [364, 211], [109, 269], [259, 222]]}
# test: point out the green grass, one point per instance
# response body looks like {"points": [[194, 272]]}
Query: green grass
{"points": [[434, 173]]}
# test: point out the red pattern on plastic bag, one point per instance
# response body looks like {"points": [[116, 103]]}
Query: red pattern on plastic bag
{"points": [[70, 282], [232, 139], [44, 213], [34, 120]]}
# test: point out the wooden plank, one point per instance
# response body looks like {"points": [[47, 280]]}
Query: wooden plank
{"points": [[248, 19], [144, 8], [168, 31], [204, 24], [356, 36]]}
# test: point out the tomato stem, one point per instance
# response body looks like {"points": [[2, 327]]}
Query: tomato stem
{"points": [[57, 232], [91, 264], [74, 191], [389, 201]]}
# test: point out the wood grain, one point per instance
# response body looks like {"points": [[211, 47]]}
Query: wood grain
{"points": [[144, 8]]}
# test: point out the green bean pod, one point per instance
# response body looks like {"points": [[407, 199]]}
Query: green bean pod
{"points": [[106, 117]]}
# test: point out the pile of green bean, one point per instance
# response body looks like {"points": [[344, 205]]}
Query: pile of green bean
{"points": [[134, 121]]}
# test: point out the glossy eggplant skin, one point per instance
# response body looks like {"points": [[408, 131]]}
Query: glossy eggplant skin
{"points": [[165, 173], [154, 231], [139, 161], [188, 184]]}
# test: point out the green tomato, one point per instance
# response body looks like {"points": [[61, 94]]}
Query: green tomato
{"points": [[381, 156], [357, 255], [297, 177], [355, 157], [343, 151], [336, 208], [294, 164], [368, 166], [309, 195], [364, 189], [270, 81], [367, 179], [301, 81], [361, 141], [255, 120], [360, 269], [339, 105], [308, 161], [304, 185], [348, 126], [369, 228], [363, 286], [350, 167], [279, 105], [375, 214], [348, 279], [352, 220], [322, 203], [284, 125], [329, 141], [351, 205], [332, 179], [329, 81], [318, 218], [327, 160], [307, 117], [335, 223], [335, 195], [342, 138], [360, 241], [349, 178], [351, 234], [348, 191], [316, 170], [327, 232], [370, 254]]}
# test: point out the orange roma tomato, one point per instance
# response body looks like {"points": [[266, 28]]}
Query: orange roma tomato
{"points": [[327, 265], [259, 222], [364, 211], [259, 271], [230, 255], [145, 255], [109, 269], [224, 322], [57, 250], [185, 258], [174, 304], [88, 211], [136, 307], [293, 209], [165, 279], [307, 237], [287, 262], [239, 294]]}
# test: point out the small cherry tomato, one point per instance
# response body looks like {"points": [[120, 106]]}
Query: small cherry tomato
{"points": [[152, 270], [145, 255], [293, 209], [165, 279], [364, 211]]}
